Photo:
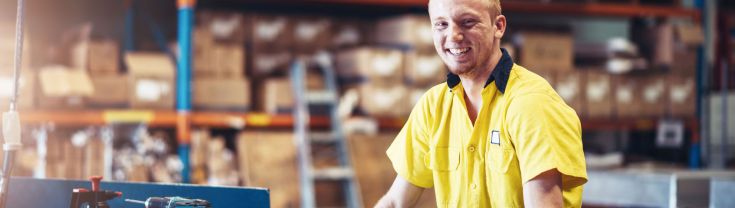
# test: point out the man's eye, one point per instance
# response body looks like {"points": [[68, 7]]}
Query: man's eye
{"points": [[469, 23], [440, 25]]}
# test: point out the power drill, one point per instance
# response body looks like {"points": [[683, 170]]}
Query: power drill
{"points": [[172, 202]]}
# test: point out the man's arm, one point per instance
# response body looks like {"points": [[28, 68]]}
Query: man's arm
{"points": [[544, 190], [401, 194]]}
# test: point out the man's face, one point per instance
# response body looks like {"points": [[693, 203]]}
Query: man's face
{"points": [[464, 33]]}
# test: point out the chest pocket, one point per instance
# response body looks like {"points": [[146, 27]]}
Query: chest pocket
{"points": [[443, 159], [499, 159]]}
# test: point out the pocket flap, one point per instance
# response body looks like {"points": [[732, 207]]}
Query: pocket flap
{"points": [[443, 159]]}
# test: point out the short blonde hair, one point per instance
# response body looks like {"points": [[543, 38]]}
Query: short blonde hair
{"points": [[495, 7]]}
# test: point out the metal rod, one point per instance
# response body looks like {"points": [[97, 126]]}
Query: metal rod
{"points": [[9, 158], [8, 161], [724, 92], [18, 53], [134, 201]]}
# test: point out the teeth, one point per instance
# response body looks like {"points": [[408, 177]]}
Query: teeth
{"points": [[458, 51]]}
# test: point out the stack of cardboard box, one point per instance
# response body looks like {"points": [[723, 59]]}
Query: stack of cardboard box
{"points": [[550, 55], [219, 62], [599, 90], [423, 67], [111, 86], [260, 167], [151, 80], [272, 41], [382, 92]]}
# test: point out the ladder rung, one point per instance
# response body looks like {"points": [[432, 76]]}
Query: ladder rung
{"points": [[321, 97], [336, 173], [322, 137]]}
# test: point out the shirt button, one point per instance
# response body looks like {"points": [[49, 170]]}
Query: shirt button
{"points": [[473, 186], [471, 148]]}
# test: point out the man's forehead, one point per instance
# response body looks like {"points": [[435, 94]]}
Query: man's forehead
{"points": [[455, 2], [450, 5]]}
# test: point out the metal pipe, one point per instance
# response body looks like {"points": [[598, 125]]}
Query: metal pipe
{"points": [[724, 93], [11, 146], [18, 53], [8, 163], [183, 82]]}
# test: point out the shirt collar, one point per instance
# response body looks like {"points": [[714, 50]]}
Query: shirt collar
{"points": [[500, 74]]}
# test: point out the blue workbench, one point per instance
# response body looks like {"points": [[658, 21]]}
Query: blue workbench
{"points": [[29, 193]]}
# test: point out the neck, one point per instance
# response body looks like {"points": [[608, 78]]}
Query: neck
{"points": [[474, 81]]}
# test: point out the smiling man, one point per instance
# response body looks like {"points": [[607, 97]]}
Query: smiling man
{"points": [[495, 134]]}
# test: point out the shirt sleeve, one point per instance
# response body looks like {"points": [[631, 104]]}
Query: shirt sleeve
{"points": [[410, 147], [547, 135]]}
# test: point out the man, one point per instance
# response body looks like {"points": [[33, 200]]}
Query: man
{"points": [[495, 134]]}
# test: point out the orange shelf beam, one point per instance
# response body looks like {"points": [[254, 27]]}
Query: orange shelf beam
{"points": [[165, 118]]}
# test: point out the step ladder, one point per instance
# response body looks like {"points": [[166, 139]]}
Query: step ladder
{"points": [[334, 137]]}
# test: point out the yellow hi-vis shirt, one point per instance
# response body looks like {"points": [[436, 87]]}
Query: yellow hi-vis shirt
{"points": [[523, 129]]}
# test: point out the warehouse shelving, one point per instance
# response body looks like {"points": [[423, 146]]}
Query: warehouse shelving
{"points": [[579, 9]]}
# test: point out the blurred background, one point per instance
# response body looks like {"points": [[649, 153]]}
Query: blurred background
{"points": [[104, 90]]}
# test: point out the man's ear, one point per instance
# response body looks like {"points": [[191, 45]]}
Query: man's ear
{"points": [[500, 25]]}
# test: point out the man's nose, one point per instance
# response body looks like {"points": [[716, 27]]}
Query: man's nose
{"points": [[455, 33]]}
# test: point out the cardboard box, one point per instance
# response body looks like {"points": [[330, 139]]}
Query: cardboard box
{"points": [[406, 30], [627, 92], [654, 91], [350, 33], [58, 81], [312, 34], [215, 93], [599, 93], [227, 27], [152, 92], [151, 80], [104, 57], [272, 33], [259, 167], [685, 61], [230, 61], [689, 34], [62, 87], [110, 91], [425, 68], [26, 91], [541, 51], [379, 65], [268, 64], [277, 96], [384, 101], [149, 64], [203, 53], [569, 87], [682, 95]]}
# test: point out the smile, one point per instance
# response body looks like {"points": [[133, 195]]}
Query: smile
{"points": [[458, 51]]}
